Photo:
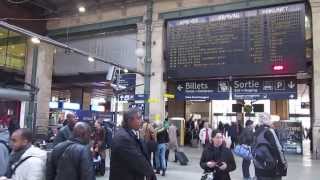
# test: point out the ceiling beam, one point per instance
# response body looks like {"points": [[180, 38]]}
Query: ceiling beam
{"points": [[81, 78], [46, 5]]}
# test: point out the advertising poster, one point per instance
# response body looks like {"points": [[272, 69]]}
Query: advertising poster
{"points": [[291, 136]]}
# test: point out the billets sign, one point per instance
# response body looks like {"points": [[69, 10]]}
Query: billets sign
{"points": [[202, 90], [242, 89]]}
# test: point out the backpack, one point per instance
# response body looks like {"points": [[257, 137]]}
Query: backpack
{"points": [[6, 145], [264, 157]]}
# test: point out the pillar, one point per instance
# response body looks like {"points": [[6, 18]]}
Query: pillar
{"points": [[43, 81], [158, 86], [280, 108], [315, 8]]}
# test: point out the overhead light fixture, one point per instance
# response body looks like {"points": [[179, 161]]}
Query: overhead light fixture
{"points": [[82, 9], [90, 59], [125, 71], [35, 40]]}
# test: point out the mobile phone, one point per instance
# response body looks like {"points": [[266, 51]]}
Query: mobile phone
{"points": [[219, 164]]}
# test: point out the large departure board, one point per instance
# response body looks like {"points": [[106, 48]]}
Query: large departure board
{"points": [[240, 43]]}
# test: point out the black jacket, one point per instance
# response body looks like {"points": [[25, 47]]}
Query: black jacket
{"points": [[63, 135], [70, 160], [162, 137], [128, 157], [221, 154], [247, 136]]}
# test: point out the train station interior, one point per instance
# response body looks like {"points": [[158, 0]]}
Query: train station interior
{"points": [[187, 61]]}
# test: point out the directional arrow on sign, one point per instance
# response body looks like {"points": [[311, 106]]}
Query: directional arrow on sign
{"points": [[291, 85], [180, 88]]}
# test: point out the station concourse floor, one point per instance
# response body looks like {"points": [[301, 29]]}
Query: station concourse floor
{"points": [[300, 168]]}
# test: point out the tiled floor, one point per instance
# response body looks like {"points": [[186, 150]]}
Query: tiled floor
{"points": [[300, 168]]}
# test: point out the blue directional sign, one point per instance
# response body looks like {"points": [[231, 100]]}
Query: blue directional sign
{"points": [[133, 97], [242, 89], [267, 88], [203, 90], [137, 105]]}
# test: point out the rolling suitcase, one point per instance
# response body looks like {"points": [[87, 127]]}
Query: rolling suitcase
{"points": [[182, 158]]}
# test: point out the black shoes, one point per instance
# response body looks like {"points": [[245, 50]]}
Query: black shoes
{"points": [[163, 173], [158, 172]]}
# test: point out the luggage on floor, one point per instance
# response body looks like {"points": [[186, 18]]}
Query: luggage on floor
{"points": [[99, 165], [181, 158]]}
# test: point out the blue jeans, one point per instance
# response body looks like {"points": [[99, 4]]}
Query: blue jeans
{"points": [[161, 157]]}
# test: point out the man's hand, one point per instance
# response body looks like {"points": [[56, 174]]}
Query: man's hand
{"points": [[211, 164], [223, 166], [153, 177]]}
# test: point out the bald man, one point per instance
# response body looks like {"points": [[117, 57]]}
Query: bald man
{"points": [[71, 159], [65, 132]]}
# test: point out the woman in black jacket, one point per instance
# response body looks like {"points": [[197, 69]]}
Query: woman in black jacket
{"points": [[218, 159]]}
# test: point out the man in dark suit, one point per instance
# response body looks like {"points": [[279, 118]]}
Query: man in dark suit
{"points": [[129, 159]]}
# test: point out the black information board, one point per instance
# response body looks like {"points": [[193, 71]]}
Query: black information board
{"points": [[248, 42]]}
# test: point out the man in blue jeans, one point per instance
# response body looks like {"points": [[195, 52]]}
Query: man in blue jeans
{"points": [[163, 140]]}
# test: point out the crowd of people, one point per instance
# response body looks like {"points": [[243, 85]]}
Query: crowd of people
{"points": [[139, 150]]}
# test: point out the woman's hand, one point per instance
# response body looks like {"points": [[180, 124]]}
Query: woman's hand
{"points": [[211, 164], [223, 166]]}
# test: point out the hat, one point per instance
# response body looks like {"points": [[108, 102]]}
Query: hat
{"points": [[249, 122], [265, 119]]}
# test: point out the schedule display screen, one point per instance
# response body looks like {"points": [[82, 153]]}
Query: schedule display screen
{"points": [[250, 42]]}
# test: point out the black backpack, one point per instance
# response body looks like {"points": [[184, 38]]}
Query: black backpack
{"points": [[265, 157]]}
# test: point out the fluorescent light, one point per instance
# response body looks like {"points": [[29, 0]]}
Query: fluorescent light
{"points": [[35, 40], [53, 105], [90, 59], [82, 9], [98, 108], [125, 71], [72, 106]]}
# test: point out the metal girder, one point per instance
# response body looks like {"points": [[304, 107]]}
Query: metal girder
{"points": [[65, 46], [58, 33], [45, 4], [241, 5], [81, 78]]}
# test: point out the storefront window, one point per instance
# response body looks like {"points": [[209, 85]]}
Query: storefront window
{"points": [[12, 50]]}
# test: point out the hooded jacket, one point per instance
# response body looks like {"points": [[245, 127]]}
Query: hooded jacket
{"points": [[70, 160], [34, 167]]}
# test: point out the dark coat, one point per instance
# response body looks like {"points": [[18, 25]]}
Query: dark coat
{"points": [[70, 160], [247, 136], [221, 154], [128, 157], [63, 135]]}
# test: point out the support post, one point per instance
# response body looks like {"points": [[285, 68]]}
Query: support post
{"points": [[148, 59]]}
